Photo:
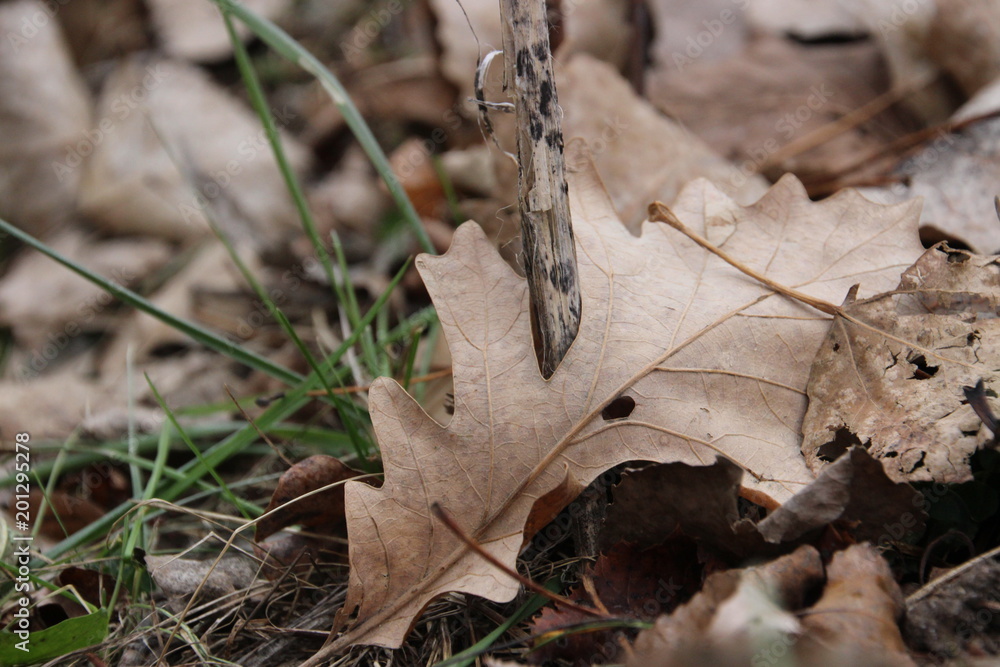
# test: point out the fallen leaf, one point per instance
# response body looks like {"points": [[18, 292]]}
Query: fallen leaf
{"points": [[744, 616], [44, 114], [703, 503], [902, 35], [955, 615], [964, 39], [170, 140], [640, 155], [735, 611], [955, 173], [324, 511], [714, 363], [750, 106], [49, 311], [904, 401], [856, 621], [687, 32]]}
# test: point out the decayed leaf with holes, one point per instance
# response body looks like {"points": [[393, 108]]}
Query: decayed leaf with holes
{"points": [[697, 359], [905, 402]]}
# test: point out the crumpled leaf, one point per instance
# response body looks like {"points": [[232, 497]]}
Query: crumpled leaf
{"points": [[744, 616], [904, 402], [714, 363], [734, 609], [321, 510], [856, 621]]}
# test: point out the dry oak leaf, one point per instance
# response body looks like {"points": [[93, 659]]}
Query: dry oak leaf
{"points": [[904, 401], [715, 363]]}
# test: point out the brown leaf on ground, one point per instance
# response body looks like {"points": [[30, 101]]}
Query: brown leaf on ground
{"points": [[51, 307], [734, 610], [955, 174], [630, 583], [745, 616], [172, 140], [904, 401], [322, 511], [964, 38], [705, 31], [44, 113], [749, 107], [195, 30], [856, 621], [712, 363]]}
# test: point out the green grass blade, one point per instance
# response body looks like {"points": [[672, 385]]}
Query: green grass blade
{"points": [[294, 400], [199, 334], [281, 42]]}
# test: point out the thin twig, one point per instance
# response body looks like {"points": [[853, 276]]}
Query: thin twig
{"points": [[658, 212]]}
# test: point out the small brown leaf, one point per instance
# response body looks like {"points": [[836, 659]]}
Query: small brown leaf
{"points": [[856, 619], [324, 510]]}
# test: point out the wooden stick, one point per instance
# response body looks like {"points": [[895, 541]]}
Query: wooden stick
{"points": [[543, 195]]}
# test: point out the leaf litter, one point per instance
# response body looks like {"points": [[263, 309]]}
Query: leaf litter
{"points": [[721, 414], [716, 365]]}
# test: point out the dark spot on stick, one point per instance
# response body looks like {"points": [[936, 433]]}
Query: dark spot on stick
{"points": [[545, 98], [523, 62], [536, 128]]}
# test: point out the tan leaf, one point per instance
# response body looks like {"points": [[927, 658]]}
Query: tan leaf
{"points": [[964, 39], [324, 510], [750, 107], [715, 364], [904, 402], [743, 616], [44, 115], [955, 174]]}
